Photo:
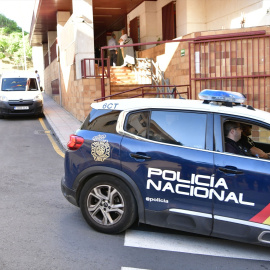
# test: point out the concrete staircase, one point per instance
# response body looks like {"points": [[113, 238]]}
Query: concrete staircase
{"points": [[122, 75], [123, 79]]}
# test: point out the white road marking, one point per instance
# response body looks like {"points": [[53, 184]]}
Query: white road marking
{"points": [[130, 268], [195, 245]]}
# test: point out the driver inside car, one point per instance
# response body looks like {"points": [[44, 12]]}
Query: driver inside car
{"points": [[248, 145]]}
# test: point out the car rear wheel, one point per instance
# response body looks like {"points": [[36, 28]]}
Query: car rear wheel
{"points": [[107, 204]]}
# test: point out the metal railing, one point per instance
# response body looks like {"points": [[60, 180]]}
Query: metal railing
{"points": [[145, 92], [146, 68], [237, 62], [132, 45], [143, 70], [234, 62], [92, 67]]}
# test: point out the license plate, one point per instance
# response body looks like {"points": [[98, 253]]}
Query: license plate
{"points": [[21, 108]]}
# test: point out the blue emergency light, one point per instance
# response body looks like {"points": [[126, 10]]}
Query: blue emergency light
{"points": [[222, 96]]}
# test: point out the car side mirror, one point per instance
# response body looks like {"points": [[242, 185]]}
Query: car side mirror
{"points": [[41, 88]]}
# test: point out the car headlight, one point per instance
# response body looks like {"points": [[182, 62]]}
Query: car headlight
{"points": [[3, 98], [37, 97]]}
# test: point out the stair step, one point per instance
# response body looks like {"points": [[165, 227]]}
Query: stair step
{"points": [[120, 68], [122, 72], [126, 81], [123, 79]]}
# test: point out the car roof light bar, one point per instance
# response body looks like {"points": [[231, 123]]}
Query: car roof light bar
{"points": [[209, 95]]}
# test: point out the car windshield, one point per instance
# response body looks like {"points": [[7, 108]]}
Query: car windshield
{"points": [[19, 84]]}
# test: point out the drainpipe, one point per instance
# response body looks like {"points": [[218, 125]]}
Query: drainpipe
{"points": [[59, 72], [102, 78], [60, 88]]}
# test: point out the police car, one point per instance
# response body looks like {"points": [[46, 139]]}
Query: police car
{"points": [[163, 162]]}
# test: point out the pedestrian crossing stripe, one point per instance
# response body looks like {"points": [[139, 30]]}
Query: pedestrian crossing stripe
{"points": [[263, 216], [131, 268], [199, 245]]}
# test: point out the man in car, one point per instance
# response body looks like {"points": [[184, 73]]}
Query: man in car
{"points": [[248, 145], [232, 132]]}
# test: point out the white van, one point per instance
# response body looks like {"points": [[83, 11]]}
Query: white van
{"points": [[20, 94]]}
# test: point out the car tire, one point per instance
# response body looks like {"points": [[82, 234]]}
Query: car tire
{"points": [[107, 204], [41, 115]]}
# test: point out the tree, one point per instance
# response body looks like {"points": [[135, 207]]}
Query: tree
{"points": [[8, 25], [2, 55], [12, 42]]}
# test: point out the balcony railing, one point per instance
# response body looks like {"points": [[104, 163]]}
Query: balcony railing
{"points": [[92, 67]]}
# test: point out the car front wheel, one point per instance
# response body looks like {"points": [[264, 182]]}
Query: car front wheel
{"points": [[107, 204]]}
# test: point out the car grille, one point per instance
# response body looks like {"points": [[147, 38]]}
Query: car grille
{"points": [[20, 102]]}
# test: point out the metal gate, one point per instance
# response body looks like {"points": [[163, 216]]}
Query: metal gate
{"points": [[237, 62]]}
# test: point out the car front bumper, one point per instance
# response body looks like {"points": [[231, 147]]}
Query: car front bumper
{"points": [[25, 107]]}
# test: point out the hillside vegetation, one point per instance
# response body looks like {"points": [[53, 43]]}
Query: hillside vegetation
{"points": [[12, 46]]}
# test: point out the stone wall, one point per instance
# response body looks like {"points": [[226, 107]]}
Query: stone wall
{"points": [[50, 74], [77, 95]]}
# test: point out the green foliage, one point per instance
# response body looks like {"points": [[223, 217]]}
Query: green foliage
{"points": [[8, 25], [12, 42]]}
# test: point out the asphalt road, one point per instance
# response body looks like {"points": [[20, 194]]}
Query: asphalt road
{"points": [[41, 230]]}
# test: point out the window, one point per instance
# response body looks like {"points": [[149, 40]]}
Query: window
{"points": [[135, 31], [138, 123], [249, 140], [173, 127], [169, 21], [101, 120], [180, 128], [14, 84], [19, 84], [261, 138], [31, 84]]}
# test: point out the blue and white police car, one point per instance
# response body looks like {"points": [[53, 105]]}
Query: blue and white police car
{"points": [[163, 162]]}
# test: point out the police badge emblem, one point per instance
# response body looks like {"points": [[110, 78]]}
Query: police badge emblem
{"points": [[100, 148]]}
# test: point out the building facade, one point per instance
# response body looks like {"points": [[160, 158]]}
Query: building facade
{"points": [[222, 44]]}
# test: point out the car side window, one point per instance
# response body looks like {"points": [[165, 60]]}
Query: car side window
{"points": [[180, 128], [138, 123], [31, 84], [261, 137], [246, 139], [102, 121]]}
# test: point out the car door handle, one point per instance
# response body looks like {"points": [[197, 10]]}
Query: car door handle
{"points": [[230, 170], [139, 156]]}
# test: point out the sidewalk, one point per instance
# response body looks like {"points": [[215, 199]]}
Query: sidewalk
{"points": [[62, 123]]}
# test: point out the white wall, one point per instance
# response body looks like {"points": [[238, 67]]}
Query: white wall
{"points": [[190, 17], [38, 62], [228, 14], [200, 15], [84, 32], [196, 15], [147, 13], [181, 17]]}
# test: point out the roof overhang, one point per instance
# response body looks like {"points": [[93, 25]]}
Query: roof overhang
{"points": [[108, 16]]}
